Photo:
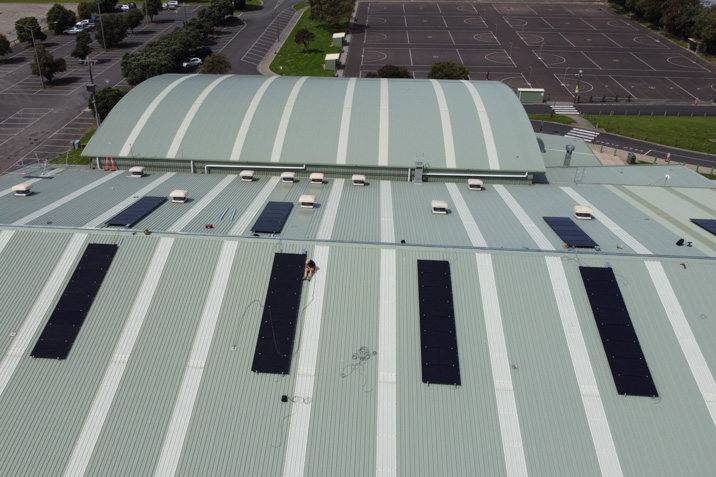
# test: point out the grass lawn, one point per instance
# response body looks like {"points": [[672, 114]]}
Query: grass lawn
{"points": [[73, 155], [692, 133], [293, 57], [558, 118]]}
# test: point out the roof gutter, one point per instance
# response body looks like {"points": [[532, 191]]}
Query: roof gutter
{"points": [[244, 166]]}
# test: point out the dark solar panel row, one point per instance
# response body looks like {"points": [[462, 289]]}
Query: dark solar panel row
{"points": [[277, 332], [272, 218], [627, 362], [64, 324], [569, 232], [707, 224], [438, 338], [136, 212]]}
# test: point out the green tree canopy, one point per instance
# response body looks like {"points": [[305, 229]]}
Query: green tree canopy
{"points": [[303, 37], [49, 66], [332, 12], [139, 66], [448, 70], [4, 45], [82, 45], [133, 18], [60, 17], [107, 6], [115, 30], [27, 27], [106, 99], [152, 8], [224, 8], [391, 71], [86, 9], [216, 64]]}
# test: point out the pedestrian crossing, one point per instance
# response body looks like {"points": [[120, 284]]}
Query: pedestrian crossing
{"points": [[566, 110], [585, 134]]}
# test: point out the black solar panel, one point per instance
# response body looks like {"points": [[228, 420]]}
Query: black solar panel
{"points": [[64, 324], [272, 218], [708, 224], [569, 232], [136, 212], [438, 338], [274, 346], [626, 360]]}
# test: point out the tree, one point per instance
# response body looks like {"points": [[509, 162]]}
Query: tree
{"points": [[708, 31], [304, 37], [133, 18], [332, 12], [115, 30], [26, 28], [449, 70], [86, 9], [61, 17], [106, 99], [48, 64], [82, 45], [216, 64], [391, 71], [239, 4], [137, 67], [107, 6], [153, 7], [4, 45], [223, 7]]}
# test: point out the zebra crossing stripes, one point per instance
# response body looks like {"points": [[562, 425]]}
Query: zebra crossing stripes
{"points": [[568, 110], [585, 134]]}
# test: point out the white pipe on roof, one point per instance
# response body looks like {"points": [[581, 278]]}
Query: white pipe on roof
{"points": [[241, 166], [461, 174]]}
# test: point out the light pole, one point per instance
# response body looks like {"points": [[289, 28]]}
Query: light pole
{"points": [[510, 50], [34, 47], [579, 78], [101, 26], [529, 80]]}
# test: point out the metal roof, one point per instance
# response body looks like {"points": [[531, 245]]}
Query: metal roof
{"points": [[451, 125]]}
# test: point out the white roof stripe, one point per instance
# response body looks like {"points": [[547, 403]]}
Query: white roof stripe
{"points": [[248, 117], [383, 128], [387, 227], [285, 120], [345, 123], [448, 140], [255, 206], [200, 205], [126, 150], [492, 157], [184, 127], [473, 231], [524, 219], [325, 230]]}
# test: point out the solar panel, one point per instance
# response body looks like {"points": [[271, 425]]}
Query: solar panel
{"points": [[438, 337], [61, 330], [277, 332], [708, 224], [137, 211], [626, 359], [569, 232], [272, 218]]}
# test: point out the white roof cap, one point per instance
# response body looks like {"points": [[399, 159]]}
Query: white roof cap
{"points": [[178, 194], [439, 204], [137, 169], [583, 209], [316, 176], [22, 187], [246, 173], [307, 199], [288, 175], [474, 182]]}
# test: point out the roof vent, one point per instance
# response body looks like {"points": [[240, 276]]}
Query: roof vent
{"points": [[22, 190], [439, 207], [289, 177], [247, 176], [178, 195], [136, 171], [316, 177], [583, 212], [307, 201], [358, 180], [475, 184]]}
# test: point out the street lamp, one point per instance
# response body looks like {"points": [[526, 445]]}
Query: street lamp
{"points": [[101, 26], [34, 47], [579, 78], [529, 80]]}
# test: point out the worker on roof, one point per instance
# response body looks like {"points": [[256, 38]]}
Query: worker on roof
{"points": [[309, 269]]}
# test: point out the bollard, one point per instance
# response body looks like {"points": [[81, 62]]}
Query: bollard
{"points": [[615, 151], [655, 159], [712, 170], [697, 167], [601, 149]]}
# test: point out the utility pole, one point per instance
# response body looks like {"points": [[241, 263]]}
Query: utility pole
{"points": [[34, 47]]}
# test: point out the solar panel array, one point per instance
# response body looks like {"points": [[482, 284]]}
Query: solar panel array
{"points": [[569, 232], [707, 224], [272, 218], [137, 211]]}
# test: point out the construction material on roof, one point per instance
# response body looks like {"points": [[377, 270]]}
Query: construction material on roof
{"points": [[582, 212], [277, 332], [316, 178], [626, 359], [247, 176], [569, 232], [439, 207], [64, 324], [22, 190], [136, 171], [179, 195], [137, 211], [475, 184], [288, 176], [438, 337], [706, 224], [307, 201], [272, 218]]}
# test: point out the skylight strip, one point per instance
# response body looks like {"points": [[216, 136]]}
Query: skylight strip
{"points": [[101, 219], [608, 223], [345, 123], [473, 232], [189, 117], [49, 208], [490, 146], [280, 137], [524, 219], [589, 391], [10, 191], [448, 140], [384, 124], [297, 440], [248, 117], [126, 150], [184, 405], [40, 309], [255, 207], [328, 221], [84, 447], [387, 227], [201, 204], [499, 361], [689, 346], [386, 419]]}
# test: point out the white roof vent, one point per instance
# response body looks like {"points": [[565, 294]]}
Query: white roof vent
{"points": [[583, 212], [439, 207], [358, 179], [178, 195], [316, 178], [136, 171], [475, 184], [307, 201], [247, 176], [22, 190], [288, 177]]}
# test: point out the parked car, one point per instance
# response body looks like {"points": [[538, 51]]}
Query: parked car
{"points": [[192, 63], [173, 4], [72, 31], [202, 52]]}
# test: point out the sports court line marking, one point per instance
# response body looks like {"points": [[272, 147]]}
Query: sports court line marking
{"points": [[386, 442], [548, 23], [285, 118], [453, 42], [459, 56], [589, 25], [622, 87], [585, 55], [647, 65], [682, 89]]}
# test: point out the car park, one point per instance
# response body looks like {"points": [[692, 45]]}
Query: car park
{"points": [[202, 52], [72, 31], [192, 63]]}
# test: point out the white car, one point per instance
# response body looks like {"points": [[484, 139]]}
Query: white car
{"points": [[192, 63], [73, 31], [172, 4]]}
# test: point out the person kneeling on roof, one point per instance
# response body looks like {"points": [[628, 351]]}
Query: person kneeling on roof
{"points": [[309, 269]]}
